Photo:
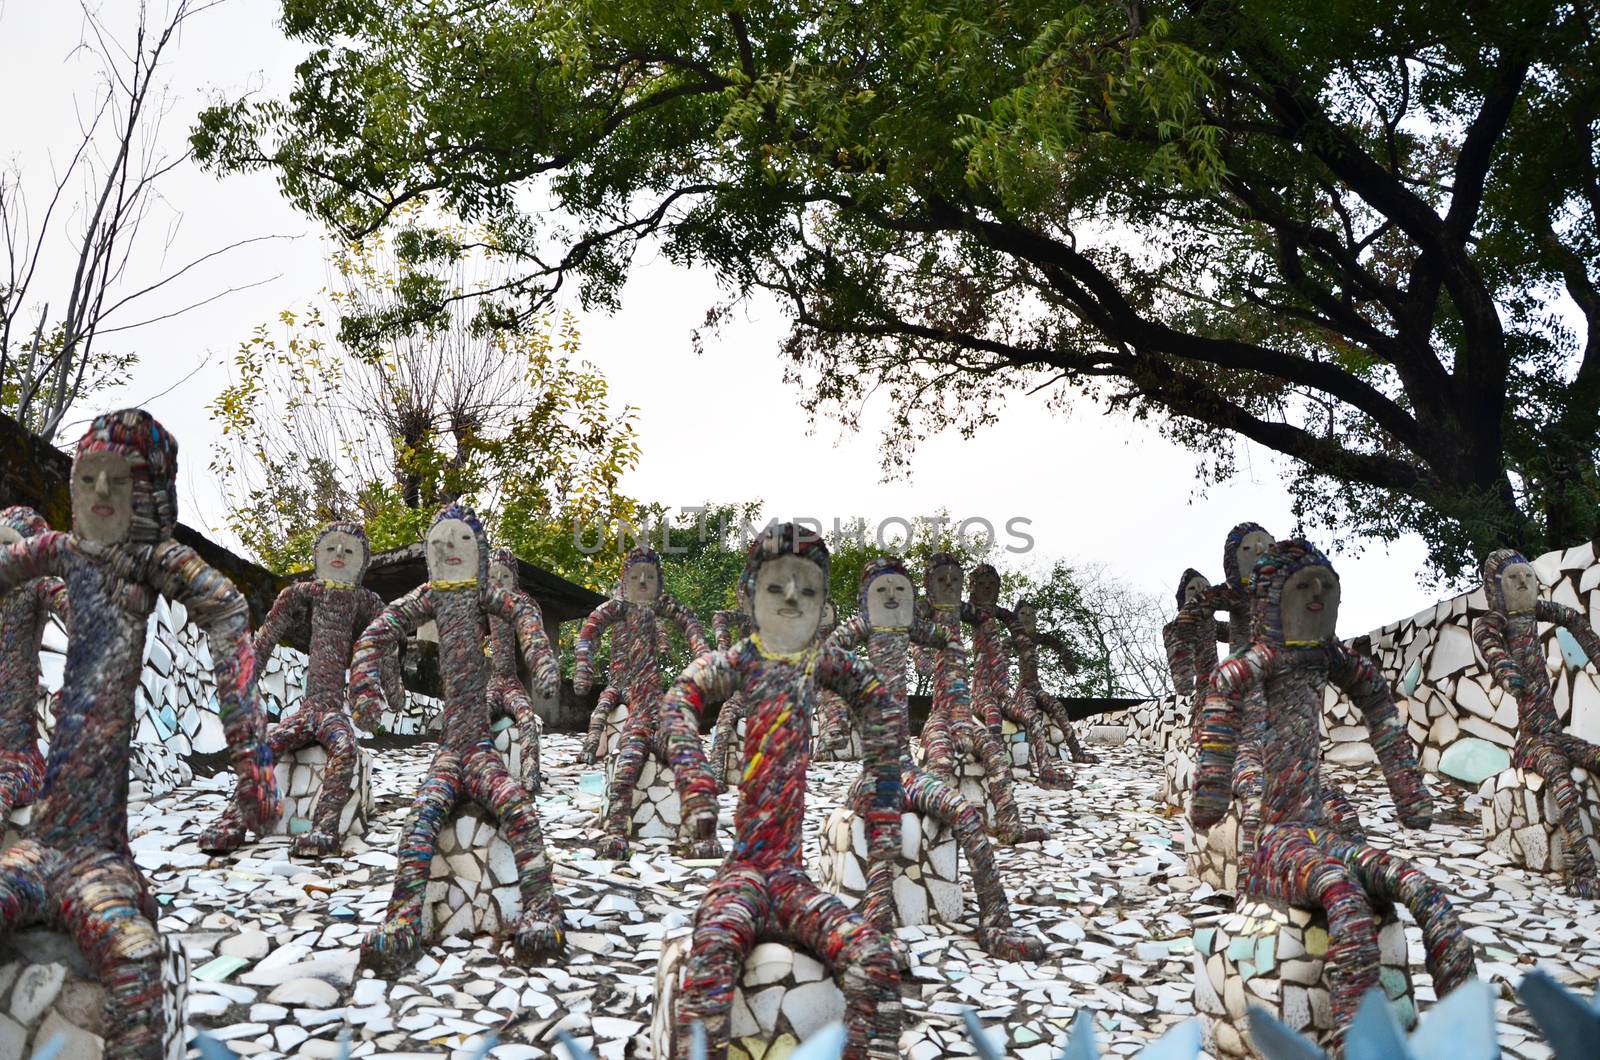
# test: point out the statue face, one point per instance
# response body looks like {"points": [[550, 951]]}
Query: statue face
{"points": [[788, 598], [1027, 616], [452, 552], [944, 585], [1194, 587], [1252, 548], [641, 583], [1520, 587], [889, 598], [1309, 606], [102, 497], [503, 577], [338, 558], [9, 536], [984, 585]]}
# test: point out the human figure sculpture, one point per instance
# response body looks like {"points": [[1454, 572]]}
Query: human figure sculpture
{"points": [[1508, 637], [885, 625], [996, 632], [952, 733], [637, 640], [616, 680], [1191, 655], [1030, 699], [1301, 858], [762, 890], [835, 727], [74, 868], [508, 695], [24, 614], [458, 598], [334, 609]]}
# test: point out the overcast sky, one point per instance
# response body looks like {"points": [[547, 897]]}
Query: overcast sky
{"points": [[722, 426]]}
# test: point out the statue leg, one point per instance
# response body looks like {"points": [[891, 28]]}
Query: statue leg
{"points": [[723, 737], [1056, 711], [396, 944], [99, 903], [227, 832], [540, 928], [21, 779], [856, 953], [1050, 771], [927, 795], [603, 707], [508, 699], [938, 745], [1247, 788], [1392, 879], [338, 737], [836, 726], [637, 737], [1548, 756], [733, 909], [1008, 826], [1342, 815], [877, 905]]}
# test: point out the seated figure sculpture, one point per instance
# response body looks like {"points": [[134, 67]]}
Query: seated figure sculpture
{"points": [[74, 868], [333, 609], [24, 614], [952, 735], [1300, 859], [1191, 655], [508, 695], [636, 642], [458, 597], [1508, 637], [1030, 698], [885, 626], [761, 890]]}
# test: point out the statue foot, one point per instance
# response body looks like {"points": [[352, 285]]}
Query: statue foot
{"points": [[316, 843], [1056, 778], [1584, 886], [611, 848], [391, 949], [1083, 757], [1012, 836], [222, 838], [703, 848], [538, 935], [1009, 944]]}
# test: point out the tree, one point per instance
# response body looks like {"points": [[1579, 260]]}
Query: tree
{"points": [[314, 428], [1354, 244], [71, 277], [1114, 632]]}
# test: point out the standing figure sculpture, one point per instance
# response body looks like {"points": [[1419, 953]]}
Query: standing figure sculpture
{"points": [[1300, 858], [885, 626], [1030, 699], [24, 614], [636, 644], [762, 891], [952, 733], [333, 610], [74, 870], [508, 695], [1508, 637], [458, 597]]}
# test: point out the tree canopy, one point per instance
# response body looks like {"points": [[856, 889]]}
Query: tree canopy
{"points": [[1363, 235]]}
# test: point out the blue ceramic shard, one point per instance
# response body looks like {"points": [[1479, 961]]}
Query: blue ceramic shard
{"points": [[975, 1035], [1571, 1025], [825, 1044]]}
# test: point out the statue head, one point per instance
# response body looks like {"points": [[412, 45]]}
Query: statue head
{"points": [[1027, 615], [1296, 595], [124, 480], [887, 595], [1509, 582], [1191, 584], [941, 580], [1246, 543], [983, 586], [503, 570], [786, 579], [641, 576], [18, 523], [456, 548], [341, 553]]}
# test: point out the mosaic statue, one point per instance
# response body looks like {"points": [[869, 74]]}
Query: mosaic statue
{"points": [[1301, 858], [333, 610], [761, 890], [835, 728], [74, 868], [637, 642], [508, 695], [1508, 637], [728, 628], [24, 614], [885, 626], [1030, 698], [995, 632], [458, 597], [1190, 653], [952, 734], [616, 686]]}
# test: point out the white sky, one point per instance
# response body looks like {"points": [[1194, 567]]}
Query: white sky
{"points": [[719, 427]]}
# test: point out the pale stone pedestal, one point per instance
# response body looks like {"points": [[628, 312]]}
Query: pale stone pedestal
{"points": [[1015, 739], [1212, 855], [1177, 775], [522, 761], [46, 991], [611, 733], [822, 751], [784, 996], [16, 827], [472, 882], [926, 886], [971, 785], [300, 782], [1275, 957], [656, 813], [1521, 820]]}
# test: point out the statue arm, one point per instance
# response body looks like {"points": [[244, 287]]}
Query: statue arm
{"points": [[881, 722], [1180, 658], [599, 620], [288, 608], [1221, 714], [1489, 634], [1575, 623], [687, 621], [39, 556], [394, 691], [850, 635], [1359, 679], [381, 639], [524, 616], [53, 600], [706, 682]]}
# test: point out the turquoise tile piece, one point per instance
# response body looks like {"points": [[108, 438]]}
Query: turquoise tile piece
{"points": [[502, 725], [299, 825], [1204, 940], [1408, 683], [1575, 656], [1472, 761], [1267, 953], [1242, 948], [218, 969], [1247, 970], [1405, 1013], [592, 783], [1394, 982]]}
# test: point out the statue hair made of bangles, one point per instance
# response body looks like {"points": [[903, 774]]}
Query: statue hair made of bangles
{"points": [[24, 614]]}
